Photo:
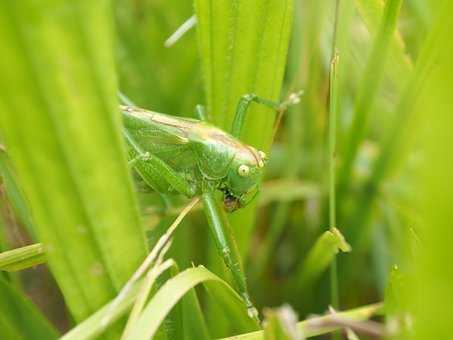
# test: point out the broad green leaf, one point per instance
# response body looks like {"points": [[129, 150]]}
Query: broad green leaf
{"points": [[21, 258], [175, 288], [243, 46], [61, 128], [19, 318], [430, 288], [194, 321]]}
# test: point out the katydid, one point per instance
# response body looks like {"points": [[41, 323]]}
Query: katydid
{"points": [[194, 158]]}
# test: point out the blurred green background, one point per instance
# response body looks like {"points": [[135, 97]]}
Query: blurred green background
{"points": [[392, 158]]}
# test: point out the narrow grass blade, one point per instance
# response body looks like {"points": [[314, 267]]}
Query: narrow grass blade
{"points": [[94, 325], [22, 258], [316, 325], [160, 246], [174, 289], [320, 256], [143, 294], [20, 319], [368, 90], [333, 108], [64, 141], [394, 138], [179, 33], [372, 12], [243, 47]]}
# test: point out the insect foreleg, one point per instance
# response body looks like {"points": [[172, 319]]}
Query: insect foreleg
{"points": [[224, 239], [242, 108], [226, 247], [246, 100]]}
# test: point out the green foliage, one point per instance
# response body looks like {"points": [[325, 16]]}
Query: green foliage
{"points": [[65, 144], [320, 257], [175, 288], [243, 45], [19, 318], [433, 277], [21, 258], [378, 125]]}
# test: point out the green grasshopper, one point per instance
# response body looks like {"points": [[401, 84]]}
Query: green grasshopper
{"points": [[194, 158]]}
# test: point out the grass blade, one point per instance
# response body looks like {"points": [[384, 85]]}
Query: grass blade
{"points": [[19, 318], [22, 258], [174, 289], [311, 327], [372, 12], [144, 292], [320, 256], [365, 98], [394, 138], [243, 46], [333, 108], [194, 322], [77, 184], [430, 287], [94, 325]]}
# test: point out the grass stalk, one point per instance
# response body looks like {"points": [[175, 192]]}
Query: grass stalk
{"points": [[369, 87], [333, 107]]}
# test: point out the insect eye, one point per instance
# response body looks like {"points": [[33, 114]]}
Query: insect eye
{"points": [[243, 170]]}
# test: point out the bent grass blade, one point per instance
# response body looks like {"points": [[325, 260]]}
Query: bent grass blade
{"points": [[174, 289], [161, 243]]}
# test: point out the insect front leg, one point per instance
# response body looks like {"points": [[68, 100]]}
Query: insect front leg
{"points": [[227, 248], [224, 239], [244, 105], [242, 108]]}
